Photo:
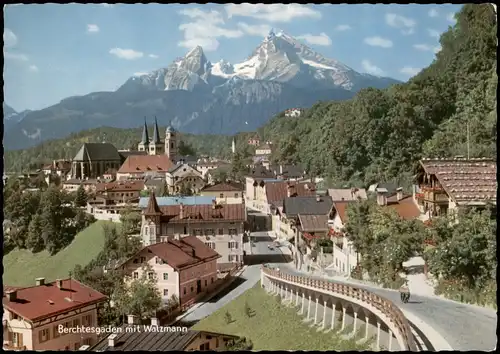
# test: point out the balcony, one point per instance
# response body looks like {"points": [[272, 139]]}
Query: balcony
{"points": [[10, 346], [433, 195]]}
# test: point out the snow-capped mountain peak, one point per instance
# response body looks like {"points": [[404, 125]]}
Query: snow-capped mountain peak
{"points": [[279, 57]]}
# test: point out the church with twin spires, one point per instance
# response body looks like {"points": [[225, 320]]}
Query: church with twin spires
{"points": [[155, 146]]}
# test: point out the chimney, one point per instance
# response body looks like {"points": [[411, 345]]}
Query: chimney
{"points": [[154, 321], [40, 281], [131, 319], [11, 295], [181, 211], [59, 283], [399, 193], [318, 198], [111, 340], [381, 197]]}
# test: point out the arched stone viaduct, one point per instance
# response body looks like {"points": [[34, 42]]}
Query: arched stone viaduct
{"points": [[338, 307]]}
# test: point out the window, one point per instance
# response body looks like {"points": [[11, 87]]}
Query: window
{"points": [[232, 258], [143, 259], [232, 245], [136, 275], [87, 341], [146, 230], [236, 195], [217, 342], [76, 322], [55, 332], [165, 292], [86, 320], [192, 288], [205, 346], [212, 280], [158, 260], [209, 232], [17, 339], [197, 232], [44, 335], [206, 282], [165, 276], [210, 245], [221, 195], [151, 275], [221, 231], [233, 231], [77, 346], [136, 260], [184, 291]]}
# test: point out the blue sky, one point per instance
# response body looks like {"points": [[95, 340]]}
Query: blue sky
{"points": [[56, 51]]}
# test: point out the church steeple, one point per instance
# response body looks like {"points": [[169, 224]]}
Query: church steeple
{"points": [[156, 133], [145, 136], [152, 209]]}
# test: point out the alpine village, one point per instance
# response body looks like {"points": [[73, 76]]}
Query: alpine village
{"points": [[295, 236]]}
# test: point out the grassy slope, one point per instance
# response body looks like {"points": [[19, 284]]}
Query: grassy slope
{"points": [[273, 326], [21, 267]]}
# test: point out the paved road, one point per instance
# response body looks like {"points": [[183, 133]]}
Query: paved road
{"points": [[464, 327], [250, 277]]}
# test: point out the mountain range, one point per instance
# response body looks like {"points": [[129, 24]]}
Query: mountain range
{"points": [[199, 97]]}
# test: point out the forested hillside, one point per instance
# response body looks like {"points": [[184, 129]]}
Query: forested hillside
{"points": [[380, 134], [35, 157]]}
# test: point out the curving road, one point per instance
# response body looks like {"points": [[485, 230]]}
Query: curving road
{"points": [[464, 327]]}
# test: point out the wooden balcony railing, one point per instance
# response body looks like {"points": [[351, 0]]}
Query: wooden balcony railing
{"points": [[383, 305]]}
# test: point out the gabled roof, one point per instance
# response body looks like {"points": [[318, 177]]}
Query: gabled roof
{"points": [[124, 154], [178, 166], [130, 340], [207, 213], [224, 187], [260, 172], [120, 186], [467, 181], [277, 191], [341, 208], [43, 301], [406, 207], [165, 201], [346, 194], [307, 206], [180, 254], [146, 163], [314, 223], [97, 152]]}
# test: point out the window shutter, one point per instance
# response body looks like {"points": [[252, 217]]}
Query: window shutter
{"points": [[236, 245], [229, 245], [40, 336], [20, 339]]}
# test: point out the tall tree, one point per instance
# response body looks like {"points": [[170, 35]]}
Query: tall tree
{"points": [[81, 197], [34, 241], [141, 298]]}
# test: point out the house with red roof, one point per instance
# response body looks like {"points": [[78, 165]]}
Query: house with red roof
{"points": [[50, 316], [184, 267]]}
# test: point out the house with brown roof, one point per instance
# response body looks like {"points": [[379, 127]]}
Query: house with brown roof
{"points": [[273, 192], [46, 316], [59, 168], [72, 185], [255, 141], [220, 226], [347, 194], [225, 192], [182, 266], [205, 166], [445, 185], [120, 192], [184, 175], [141, 166], [128, 339]]}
